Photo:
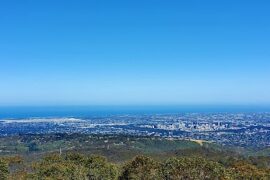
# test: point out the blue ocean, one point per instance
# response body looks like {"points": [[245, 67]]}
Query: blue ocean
{"points": [[18, 112]]}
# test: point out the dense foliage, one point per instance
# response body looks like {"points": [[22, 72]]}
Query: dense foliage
{"points": [[142, 167], [3, 170], [193, 168], [74, 166], [129, 157]]}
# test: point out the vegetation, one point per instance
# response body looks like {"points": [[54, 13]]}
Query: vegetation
{"points": [[142, 167], [74, 166], [243, 170], [193, 168], [123, 158], [3, 170]]}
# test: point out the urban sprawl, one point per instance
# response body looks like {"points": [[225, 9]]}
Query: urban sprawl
{"points": [[236, 129]]}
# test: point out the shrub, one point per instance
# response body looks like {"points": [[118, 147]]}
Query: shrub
{"points": [[143, 168], [3, 170], [192, 168], [98, 168]]}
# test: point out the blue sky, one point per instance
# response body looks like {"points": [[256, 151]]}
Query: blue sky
{"points": [[143, 52]]}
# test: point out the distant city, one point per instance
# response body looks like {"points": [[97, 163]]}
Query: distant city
{"points": [[235, 129]]}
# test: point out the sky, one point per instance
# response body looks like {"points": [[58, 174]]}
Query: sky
{"points": [[143, 52]]}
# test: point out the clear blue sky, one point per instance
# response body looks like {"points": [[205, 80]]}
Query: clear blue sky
{"points": [[143, 52]]}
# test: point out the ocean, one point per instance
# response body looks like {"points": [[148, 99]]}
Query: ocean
{"points": [[22, 112]]}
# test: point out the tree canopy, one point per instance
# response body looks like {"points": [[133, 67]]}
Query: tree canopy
{"points": [[74, 166], [3, 170]]}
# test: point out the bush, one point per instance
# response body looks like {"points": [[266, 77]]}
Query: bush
{"points": [[76, 167], [55, 167], [3, 170], [143, 168], [192, 168], [98, 168], [243, 170]]}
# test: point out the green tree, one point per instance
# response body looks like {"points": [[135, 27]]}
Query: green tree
{"points": [[76, 158], [243, 170], [3, 170], [193, 168], [98, 168], [56, 167], [74, 166], [141, 168]]}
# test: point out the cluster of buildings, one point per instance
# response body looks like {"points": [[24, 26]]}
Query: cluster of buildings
{"points": [[241, 129]]}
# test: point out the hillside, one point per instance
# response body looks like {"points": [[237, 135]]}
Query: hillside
{"points": [[31, 156]]}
